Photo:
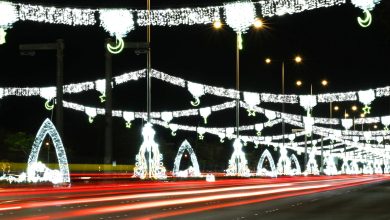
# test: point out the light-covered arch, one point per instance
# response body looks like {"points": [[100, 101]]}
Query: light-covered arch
{"points": [[48, 128], [261, 171], [297, 170], [183, 147]]}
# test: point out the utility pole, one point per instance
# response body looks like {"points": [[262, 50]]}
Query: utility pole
{"points": [[59, 47]]}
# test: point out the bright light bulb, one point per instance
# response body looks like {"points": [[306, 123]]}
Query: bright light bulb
{"points": [[299, 83], [258, 23], [268, 61], [217, 24], [336, 108], [324, 82], [354, 108], [298, 59]]}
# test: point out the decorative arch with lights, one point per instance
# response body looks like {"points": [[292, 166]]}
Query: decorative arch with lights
{"points": [[185, 146], [48, 128]]}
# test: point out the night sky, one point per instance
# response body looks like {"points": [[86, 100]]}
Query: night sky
{"points": [[330, 41]]}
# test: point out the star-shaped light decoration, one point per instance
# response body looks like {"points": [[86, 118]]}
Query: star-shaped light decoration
{"points": [[2, 36], [366, 109]]}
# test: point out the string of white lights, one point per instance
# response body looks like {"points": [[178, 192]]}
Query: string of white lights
{"points": [[364, 96], [54, 15]]}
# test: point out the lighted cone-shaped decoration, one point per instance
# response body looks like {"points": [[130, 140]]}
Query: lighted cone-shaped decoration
{"points": [[148, 161], [284, 163], [238, 165], [330, 167], [312, 166]]}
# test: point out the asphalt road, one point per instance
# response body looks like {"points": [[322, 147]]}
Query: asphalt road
{"points": [[363, 202], [339, 197]]}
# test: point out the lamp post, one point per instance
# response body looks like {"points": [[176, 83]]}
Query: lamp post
{"points": [[297, 60], [257, 24]]}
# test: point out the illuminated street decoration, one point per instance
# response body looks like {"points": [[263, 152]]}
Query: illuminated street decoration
{"points": [[48, 93], [345, 167], [347, 123], [148, 161], [261, 171], [238, 165], [312, 166], [180, 16], [354, 168], [2, 36], [252, 99], [197, 90], [33, 166], [367, 168], [387, 167], [278, 8], [53, 15], [366, 6], [240, 15], [308, 122], [129, 117], [118, 22], [284, 162], [378, 167], [366, 21], [330, 166], [8, 16], [297, 170], [185, 146], [205, 112], [308, 102], [366, 97]]}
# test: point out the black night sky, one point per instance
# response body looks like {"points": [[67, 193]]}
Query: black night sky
{"points": [[330, 41]]}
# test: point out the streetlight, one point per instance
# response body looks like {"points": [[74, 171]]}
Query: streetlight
{"points": [[257, 23], [324, 83], [297, 59]]}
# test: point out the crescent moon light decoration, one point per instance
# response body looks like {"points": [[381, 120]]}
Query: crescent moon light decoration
{"points": [[366, 21], [118, 47], [49, 106]]}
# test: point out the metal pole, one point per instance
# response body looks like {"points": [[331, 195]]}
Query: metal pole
{"points": [[305, 158], [283, 124], [322, 155], [148, 80], [237, 84], [60, 83], [148, 65], [108, 107]]}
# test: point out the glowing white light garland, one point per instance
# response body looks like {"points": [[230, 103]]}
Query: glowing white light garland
{"points": [[61, 176], [8, 16], [53, 15], [183, 147], [365, 4], [271, 8], [261, 171], [181, 16]]}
